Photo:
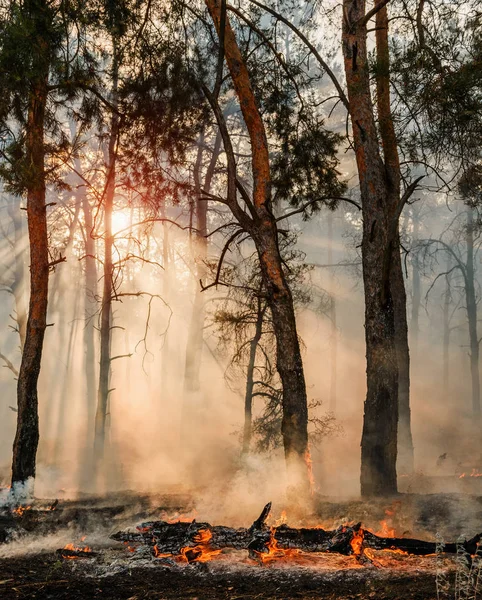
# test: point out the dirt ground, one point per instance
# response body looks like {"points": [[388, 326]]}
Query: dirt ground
{"points": [[44, 576], [30, 567]]}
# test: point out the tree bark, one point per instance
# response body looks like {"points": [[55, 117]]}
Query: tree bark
{"points": [[263, 230], [446, 332], [196, 328], [108, 285], [27, 433], [405, 458], [416, 284], [248, 397], [18, 286], [380, 193], [471, 301], [90, 307], [334, 330]]}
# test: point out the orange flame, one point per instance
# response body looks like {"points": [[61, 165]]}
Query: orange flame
{"points": [[21, 510], [385, 530], [274, 552], [76, 549], [309, 464], [474, 473], [201, 551], [356, 542]]}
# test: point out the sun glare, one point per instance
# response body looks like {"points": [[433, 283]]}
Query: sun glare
{"points": [[121, 219]]}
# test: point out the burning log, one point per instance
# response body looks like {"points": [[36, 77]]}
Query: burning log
{"points": [[195, 541], [70, 551]]}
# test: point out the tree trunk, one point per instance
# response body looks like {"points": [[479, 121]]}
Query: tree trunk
{"points": [[446, 333], [416, 286], [108, 289], [27, 434], [18, 286], [380, 193], [405, 459], [196, 328], [90, 308], [263, 230], [334, 330], [471, 301], [248, 398]]}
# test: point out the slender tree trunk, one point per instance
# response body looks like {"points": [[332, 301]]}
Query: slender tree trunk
{"points": [[18, 286], [263, 230], [471, 301], [108, 284], [416, 284], [90, 308], [27, 434], [200, 246], [405, 459], [248, 398], [90, 295], [166, 292], [334, 330], [380, 193], [446, 333]]}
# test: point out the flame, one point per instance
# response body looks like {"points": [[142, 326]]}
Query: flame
{"points": [[76, 549], [283, 519], [385, 530], [201, 552], [159, 554], [274, 552], [309, 464], [21, 510], [356, 542], [474, 473]]}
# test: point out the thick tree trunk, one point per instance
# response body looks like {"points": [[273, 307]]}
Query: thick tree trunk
{"points": [[27, 434], [108, 285], [471, 301], [380, 192], [264, 233], [248, 398]]}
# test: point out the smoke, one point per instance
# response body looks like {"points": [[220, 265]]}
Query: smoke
{"points": [[163, 436]]}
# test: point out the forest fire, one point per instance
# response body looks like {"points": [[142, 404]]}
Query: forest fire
{"points": [[240, 259]]}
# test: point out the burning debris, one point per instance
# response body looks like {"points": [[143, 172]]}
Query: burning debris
{"points": [[200, 542], [72, 552]]}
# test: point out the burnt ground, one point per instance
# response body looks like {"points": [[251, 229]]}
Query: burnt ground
{"points": [[30, 567], [44, 576]]}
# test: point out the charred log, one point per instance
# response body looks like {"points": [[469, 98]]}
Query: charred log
{"points": [[184, 538]]}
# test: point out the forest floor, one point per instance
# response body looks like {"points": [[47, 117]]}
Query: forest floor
{"points": [[30, 566]]}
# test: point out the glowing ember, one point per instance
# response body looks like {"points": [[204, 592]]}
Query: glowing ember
{"points": [[21, 510]]}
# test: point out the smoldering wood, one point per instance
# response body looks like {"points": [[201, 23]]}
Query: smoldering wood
{"points": [[67, 553], [172, 537]]}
